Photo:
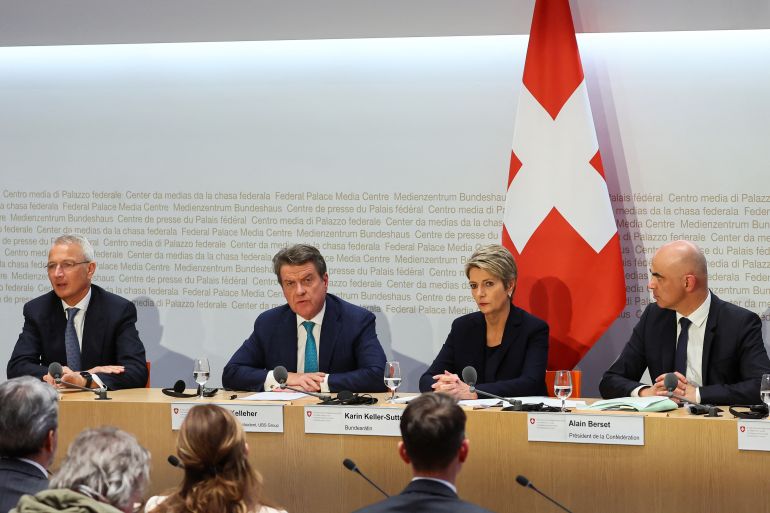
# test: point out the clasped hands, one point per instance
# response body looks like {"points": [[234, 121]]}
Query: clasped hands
{"points": [[307, 381], [451, 384], [75, 378], [683, 389]]}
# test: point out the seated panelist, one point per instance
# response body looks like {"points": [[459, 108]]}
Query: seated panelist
{"points": [[326, 343], [90, 331], [507, 346]]}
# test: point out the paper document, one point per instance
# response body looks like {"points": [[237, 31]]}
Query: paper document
{"points": [[274, 396], [652, 403]]}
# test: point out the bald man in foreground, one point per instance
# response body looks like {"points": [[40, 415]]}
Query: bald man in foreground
{"points": [[714, 347]]}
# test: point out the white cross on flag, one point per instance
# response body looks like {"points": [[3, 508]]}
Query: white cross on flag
{"points": [[558, 218]]}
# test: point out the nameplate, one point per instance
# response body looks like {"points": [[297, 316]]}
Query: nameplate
{"points": [[586, 429], [255, 418], [353, 420], [753, 435]]}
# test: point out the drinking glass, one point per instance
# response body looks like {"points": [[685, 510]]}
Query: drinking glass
{"points": [[562, 386], [764, 389], [392, 378], [201, 372]]}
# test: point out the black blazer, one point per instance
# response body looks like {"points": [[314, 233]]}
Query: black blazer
{"points": [[424, 495], [18, 478], [109, 338], [349, 349], [734, 357], [519, 368]]}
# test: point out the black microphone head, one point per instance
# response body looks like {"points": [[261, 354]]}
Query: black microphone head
{"points": [[469, 375], [179, 386], [175, 461], [343, 396], [55, 370], [670, 381], [349, 464], [281, 374], [523, 481]]}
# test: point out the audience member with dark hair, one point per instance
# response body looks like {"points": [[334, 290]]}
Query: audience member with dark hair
{"points": [[217, 473], [105, 471], [29, 413], [434, 444]]}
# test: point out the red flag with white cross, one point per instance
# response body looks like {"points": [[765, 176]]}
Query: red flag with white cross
{"points": [[558, 217]]}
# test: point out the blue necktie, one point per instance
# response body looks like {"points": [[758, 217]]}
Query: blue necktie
{"points": [[680, 361], [311, 353], [71, 344]]}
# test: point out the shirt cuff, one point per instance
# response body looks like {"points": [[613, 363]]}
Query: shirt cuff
{"points": [[635, 392], [325, 385], [270, 382], [98, 381], [697, 395]]}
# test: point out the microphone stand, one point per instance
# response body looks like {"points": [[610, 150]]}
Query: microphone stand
{"points": [[472, 389], [101, 393], [322, 397]]}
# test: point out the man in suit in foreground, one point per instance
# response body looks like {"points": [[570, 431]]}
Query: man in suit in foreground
{"points": [[433, 442], [29, 413], [325, 343], [90, 331], [714, 347]]}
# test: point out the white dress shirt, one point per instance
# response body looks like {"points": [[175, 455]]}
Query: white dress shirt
{"points": [[79, 322]]}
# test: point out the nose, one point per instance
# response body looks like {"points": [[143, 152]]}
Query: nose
{"points": [[59, 270]]}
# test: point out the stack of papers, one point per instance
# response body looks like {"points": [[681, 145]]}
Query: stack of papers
{"points": [[274, 396], [655, 403]]}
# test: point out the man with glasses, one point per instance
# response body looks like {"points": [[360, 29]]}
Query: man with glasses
{"points": [[90, 331]]}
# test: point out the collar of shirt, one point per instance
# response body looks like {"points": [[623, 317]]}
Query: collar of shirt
{"points": [[445, 483], [699, 316], [35, 464], [318, 319]]}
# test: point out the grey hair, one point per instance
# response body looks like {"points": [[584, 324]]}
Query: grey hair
{"points": [[75, 238], [496, 260], [108, 461], [29, 410], [299, 254]]}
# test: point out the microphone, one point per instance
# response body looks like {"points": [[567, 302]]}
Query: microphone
{"points": [[351, 466], [670, 381], [470, 376], [175, 462], [281, 375], [526, 483], [55, 370]]}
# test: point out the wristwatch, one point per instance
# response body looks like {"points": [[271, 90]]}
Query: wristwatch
{"points": [[89, 378]]}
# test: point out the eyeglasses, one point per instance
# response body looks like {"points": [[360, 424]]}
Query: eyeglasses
{"points": [[66, 266]]}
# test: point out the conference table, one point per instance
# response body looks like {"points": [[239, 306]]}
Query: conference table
{"points": [[687, 463]]}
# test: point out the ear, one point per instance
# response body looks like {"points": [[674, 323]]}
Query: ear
{"points": [[511, 288], [246, 448], [462, 454], [325, 279], [402, 453], [91, 269]]}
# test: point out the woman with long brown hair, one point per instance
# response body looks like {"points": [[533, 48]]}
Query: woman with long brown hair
{"points": [[217, 473]]}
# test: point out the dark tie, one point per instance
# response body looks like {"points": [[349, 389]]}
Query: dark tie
{"points": [[680, 361], [71, 344], [311, 353]]}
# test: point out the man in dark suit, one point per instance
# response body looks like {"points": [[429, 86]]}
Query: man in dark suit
{"points": [[326, 343], [433, 442], [714, 347], [29, 412], [89, 330]]}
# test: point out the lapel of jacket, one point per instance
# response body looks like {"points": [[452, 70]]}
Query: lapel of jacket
{"points": [[287, 337], [93, 331], [664, 336], [510, 335], [709, 335], [330, 329], [57, 323]]}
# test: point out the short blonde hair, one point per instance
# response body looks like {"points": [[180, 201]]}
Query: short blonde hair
{"points": [[496, 260]]}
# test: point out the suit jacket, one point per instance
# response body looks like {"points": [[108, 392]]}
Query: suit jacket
{"points": [[18, 478], [349, 350], [424, 495], [109, 338], [734, 357], [519, 369]]}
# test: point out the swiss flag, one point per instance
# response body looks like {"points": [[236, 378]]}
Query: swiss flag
{"points": [[558, 217]]}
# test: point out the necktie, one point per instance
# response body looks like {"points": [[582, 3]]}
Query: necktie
{"points": [[71, 344], [311, 353], [680, 361]]}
